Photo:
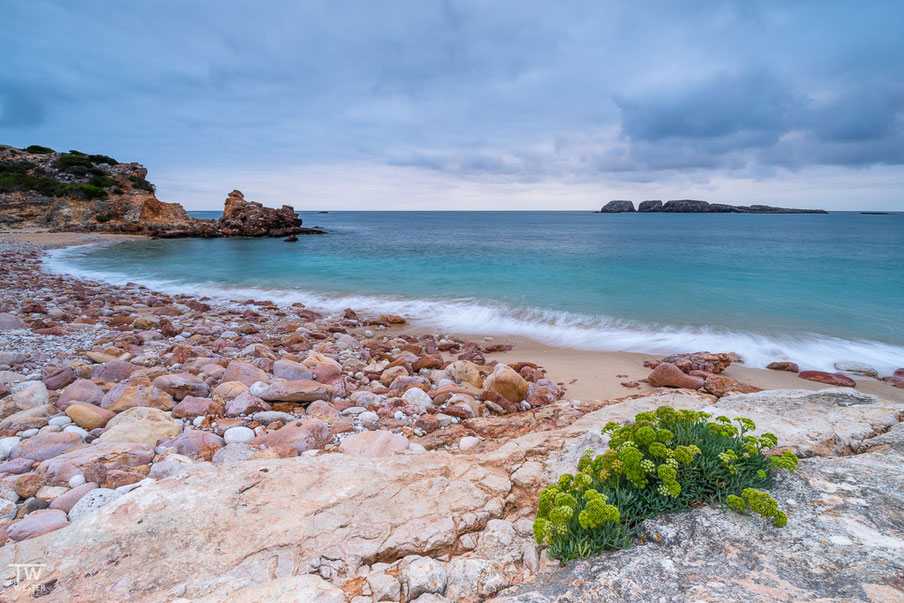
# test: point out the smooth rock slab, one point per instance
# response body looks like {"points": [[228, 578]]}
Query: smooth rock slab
{"points": [[307, 588], [835, 379], [297, 391], [856, 368]]}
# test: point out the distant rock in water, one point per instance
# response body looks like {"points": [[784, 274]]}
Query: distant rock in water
{"points": [[694, 206], [74, 191], [650, 206], [617, 207]]}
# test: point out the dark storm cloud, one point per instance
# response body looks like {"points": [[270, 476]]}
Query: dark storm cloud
{"points": [[512, 91]]}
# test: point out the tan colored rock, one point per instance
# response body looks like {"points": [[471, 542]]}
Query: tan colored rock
{"points": [[229, 390], [88, 416], [135, 392], [316, 359], [392, 373], [141, 425], [372, 444], [463, 371], [33, 396], [507, 383], [297, 391]]}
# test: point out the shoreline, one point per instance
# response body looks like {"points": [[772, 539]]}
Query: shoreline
{"points": [[585, 374]]}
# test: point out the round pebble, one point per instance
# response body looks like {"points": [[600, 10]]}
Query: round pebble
{"points": [[76, 429], [59, 421], [29, 432], [238, 435], [77, 480]]}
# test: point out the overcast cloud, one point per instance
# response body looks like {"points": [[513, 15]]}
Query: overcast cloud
{"points": [[470, 105]]}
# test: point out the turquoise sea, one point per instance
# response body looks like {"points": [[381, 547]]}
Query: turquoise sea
{"points": [[809, 288]]}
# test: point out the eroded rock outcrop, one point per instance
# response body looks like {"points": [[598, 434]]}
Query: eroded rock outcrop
{"points": [[75, 191]]}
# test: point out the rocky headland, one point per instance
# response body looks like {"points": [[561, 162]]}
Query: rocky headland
{"points": [[692, 206], [171, 448], [77, 192]]}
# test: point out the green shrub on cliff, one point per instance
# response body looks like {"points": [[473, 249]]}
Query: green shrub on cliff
{"points": [[38, 149], [665, 461], [141, 184], [83, 191]]}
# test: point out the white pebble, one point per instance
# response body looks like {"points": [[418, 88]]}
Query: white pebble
{"points": [[60, 421], [238, 435], [76, 429], [29, 432], [399, 414], [77, 480], [197, 422]]}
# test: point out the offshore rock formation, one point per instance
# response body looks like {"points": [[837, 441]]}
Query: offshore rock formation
{"points": [[615, 207], [693, 206], [41, 188]]}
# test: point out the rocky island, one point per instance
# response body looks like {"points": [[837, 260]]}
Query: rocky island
{"points": [[693, 206], [74, 191]]}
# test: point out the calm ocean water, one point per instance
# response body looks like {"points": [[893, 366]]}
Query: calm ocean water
{"points": [[809, 288]]}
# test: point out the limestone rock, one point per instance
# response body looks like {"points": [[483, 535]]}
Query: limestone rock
{"points": [[421, 575], [307, 588], [856, 368]]}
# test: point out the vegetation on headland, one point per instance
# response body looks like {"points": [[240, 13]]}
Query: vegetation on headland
{"points": [[665, 461], [56, 180]]}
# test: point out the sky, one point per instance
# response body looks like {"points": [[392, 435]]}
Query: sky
{"points": [[426, 104]]}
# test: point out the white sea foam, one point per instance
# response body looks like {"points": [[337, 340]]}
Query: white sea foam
{"points": [[563, 329]]}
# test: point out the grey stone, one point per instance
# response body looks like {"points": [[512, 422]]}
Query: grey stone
{"points": [[92, 501]]}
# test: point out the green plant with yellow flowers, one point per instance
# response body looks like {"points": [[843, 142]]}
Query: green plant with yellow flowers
{"points": [[666, 460]]}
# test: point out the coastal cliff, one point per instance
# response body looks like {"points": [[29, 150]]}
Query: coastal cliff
{"points": [[693, 206], [74, 191]]}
